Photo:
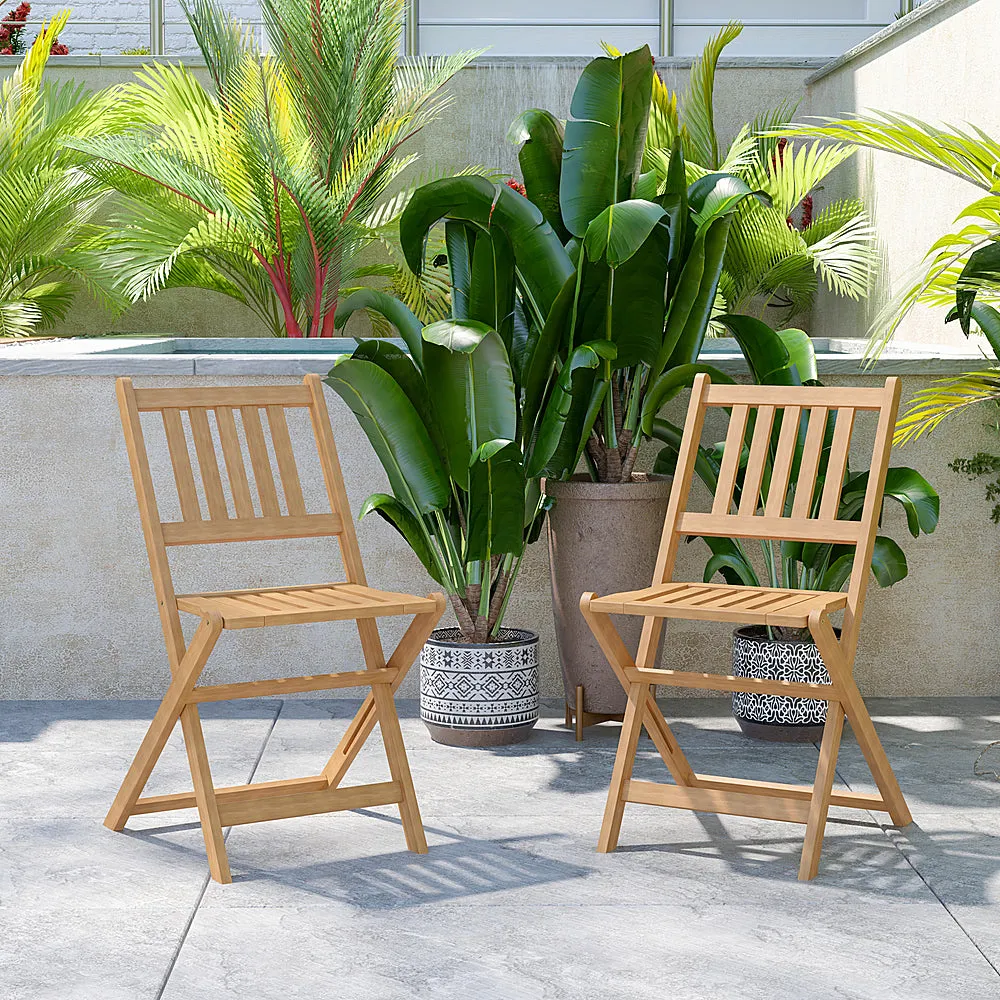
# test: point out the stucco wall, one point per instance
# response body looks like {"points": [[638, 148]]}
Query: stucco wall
{"points": [[939, 66], [487, 98], [78, 617]]}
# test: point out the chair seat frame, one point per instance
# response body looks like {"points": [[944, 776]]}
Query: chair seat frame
{"points": [[805, 804], [219, 808]]}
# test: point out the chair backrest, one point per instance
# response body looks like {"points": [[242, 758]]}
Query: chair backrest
{"points": [[787, 429], [243, 514]]}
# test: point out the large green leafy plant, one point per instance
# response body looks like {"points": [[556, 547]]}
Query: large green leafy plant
{"points": [[271, 188], [612, 254], [47, 204], [461, 416], [788, 358], [778, 250]]}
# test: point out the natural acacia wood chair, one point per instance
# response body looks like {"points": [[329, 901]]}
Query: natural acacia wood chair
{"points": [[235, 519], [778, 517]]}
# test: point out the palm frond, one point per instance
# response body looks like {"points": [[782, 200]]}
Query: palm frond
{"points": [[698, 102], [945, 398]]}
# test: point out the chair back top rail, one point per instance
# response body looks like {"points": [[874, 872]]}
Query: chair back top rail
{"points": [[781, 475]]}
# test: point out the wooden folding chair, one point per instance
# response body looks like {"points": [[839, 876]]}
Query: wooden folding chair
{"points": [[765, 510], [234, 518]]}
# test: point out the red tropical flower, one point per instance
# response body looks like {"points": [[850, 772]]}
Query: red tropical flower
{"points": [[515, 185]]}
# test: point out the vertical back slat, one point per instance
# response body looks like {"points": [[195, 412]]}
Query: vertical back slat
{"points": [[811, 452], [731, 455], [208, 463], [180, 459], [840, 451], [783, 460], [756, 461], [233, 455], [286, 460], [260, 461]]}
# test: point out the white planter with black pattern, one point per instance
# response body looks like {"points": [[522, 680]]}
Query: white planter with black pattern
{"points": [[772, 716], [479, 694]]}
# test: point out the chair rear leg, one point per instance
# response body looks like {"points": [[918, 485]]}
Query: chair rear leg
{"points": [[861, 723], [819, 805], [399, 767], [624, 761], [204, 793]]}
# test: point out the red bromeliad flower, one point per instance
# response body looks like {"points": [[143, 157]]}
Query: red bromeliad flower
{"points": [[58, 49], [515, 185], [11, 28]]}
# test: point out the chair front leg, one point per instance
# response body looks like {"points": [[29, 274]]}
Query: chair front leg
{"points": [[819, 805], [628, 743], [185, 678]]}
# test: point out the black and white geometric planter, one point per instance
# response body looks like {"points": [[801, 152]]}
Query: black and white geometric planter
{"points": [[771, 716], [479, 695]]}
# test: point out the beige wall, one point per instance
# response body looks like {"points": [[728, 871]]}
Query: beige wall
{"points": [[487, 97], [939, 67], [78, 617]]}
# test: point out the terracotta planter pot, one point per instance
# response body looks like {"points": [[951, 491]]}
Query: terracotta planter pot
{"points": [[602, 537], [479, 694], [774, 717]]}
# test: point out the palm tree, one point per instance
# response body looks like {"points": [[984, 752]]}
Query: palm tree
{"points": [[270, 189], [961, 270], [778, 253], [47, 204]]}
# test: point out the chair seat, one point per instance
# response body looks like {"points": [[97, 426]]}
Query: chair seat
{"points": [[722, 603], [298, 605]]}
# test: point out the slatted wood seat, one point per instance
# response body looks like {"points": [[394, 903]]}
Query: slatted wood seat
{"points": [[790, 490], [330, 602], [722, 603], [255, 513]]}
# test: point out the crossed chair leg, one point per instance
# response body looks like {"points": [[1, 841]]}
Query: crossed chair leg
{"points": [[222, 807], [804, 804]]}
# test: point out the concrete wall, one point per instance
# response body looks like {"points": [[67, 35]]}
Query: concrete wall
{"points": [[487, 97], [78, 617], [938, 65]]}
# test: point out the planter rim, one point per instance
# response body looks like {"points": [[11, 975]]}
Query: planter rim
{"points": [[525, 638], [581, 487], [758, 633]]}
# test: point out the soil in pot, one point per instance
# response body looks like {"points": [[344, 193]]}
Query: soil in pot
{"points": [[479, 694], [602, 537], [787, 656]]}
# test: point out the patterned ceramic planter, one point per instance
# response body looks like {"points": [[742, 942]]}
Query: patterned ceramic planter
{"points": [[479, 695], [771, 716]]}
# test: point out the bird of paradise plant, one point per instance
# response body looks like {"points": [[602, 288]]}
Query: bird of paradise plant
{"points": [[47, 204], [270, 189]]}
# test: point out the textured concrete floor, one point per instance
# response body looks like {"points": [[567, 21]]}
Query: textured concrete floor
{"points": [[512, 902]]}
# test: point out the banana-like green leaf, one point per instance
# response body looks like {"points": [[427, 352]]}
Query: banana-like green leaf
{"points": [[540, 136], [733, 568], [919, 500], [470, 381], [570, 413], [602, 149], [839, 572], [765, 352], [496, 501], [542, 261], [620, 230], [459, 241], [392, 309], [706, 466], [674, 200], [888, 562], [406, 523], [491, 294], [396, 432], [987, 318], [982, 269], [669, 384], [801, 353], [693, 295], [553, 335], [717, 195], [637, 305]]}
